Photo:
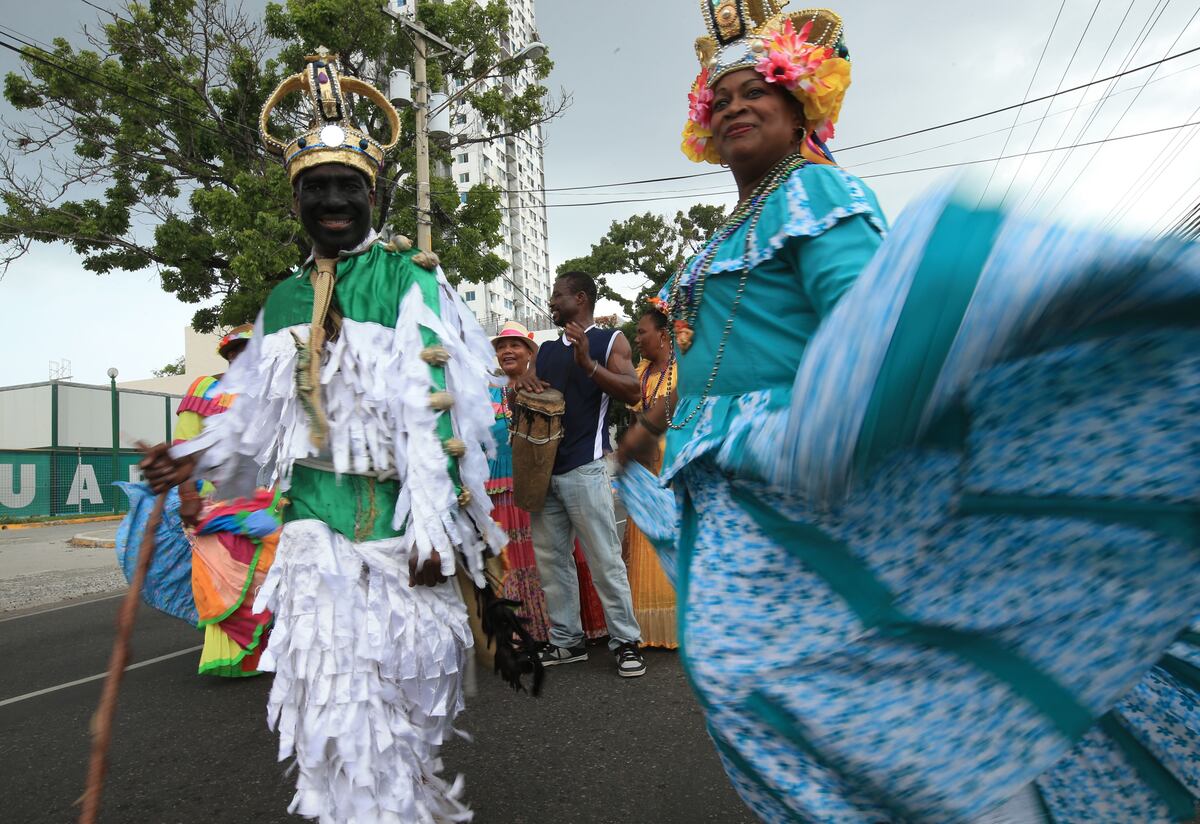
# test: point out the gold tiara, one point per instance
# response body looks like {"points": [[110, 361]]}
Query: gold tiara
{"points": [[331, 136]]}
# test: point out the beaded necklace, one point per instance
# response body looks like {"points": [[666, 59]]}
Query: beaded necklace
{"points": [[685, 299], [652, 398]]}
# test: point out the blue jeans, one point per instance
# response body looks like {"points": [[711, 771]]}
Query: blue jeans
{"points": [[580, 502]]}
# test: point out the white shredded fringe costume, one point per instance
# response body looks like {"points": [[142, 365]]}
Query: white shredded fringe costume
{"points": [[367, 669]]}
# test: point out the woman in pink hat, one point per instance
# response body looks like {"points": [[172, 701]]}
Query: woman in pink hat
{"points": [[515, 348]]}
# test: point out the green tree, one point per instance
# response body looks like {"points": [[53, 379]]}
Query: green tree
{"points": [[175, 367], [652, 246], [141, 149]]}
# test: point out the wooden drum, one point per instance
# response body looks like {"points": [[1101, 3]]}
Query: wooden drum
{"points": [[537, 429]]}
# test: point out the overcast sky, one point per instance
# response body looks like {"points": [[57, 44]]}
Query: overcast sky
{"points": [[628, 66]]}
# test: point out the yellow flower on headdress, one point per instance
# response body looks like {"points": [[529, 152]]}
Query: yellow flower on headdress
{"points": [[823, 96], [697, 144]]}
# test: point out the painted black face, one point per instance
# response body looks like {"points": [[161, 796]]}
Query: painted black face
{"points": [[334, 203]]}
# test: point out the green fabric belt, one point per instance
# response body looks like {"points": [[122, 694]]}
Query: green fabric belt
{"points": [[358, 506], [1179, 522], [933, 310]]}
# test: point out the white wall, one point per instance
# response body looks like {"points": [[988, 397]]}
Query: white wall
{"points": [[84, 416], [200, 354], [25, 417], [144, 418], [200, 359]]}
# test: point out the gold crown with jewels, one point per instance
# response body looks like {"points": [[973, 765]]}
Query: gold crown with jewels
{"points": [[331, 136]]}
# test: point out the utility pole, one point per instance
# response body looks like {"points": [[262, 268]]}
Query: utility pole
{"points": [[421, 114], [404, 12]]}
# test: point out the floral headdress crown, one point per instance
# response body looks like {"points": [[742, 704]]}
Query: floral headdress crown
{"points": [[801, 51], [331, 136]]}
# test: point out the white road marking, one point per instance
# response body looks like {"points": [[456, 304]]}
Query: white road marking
{"points": [[64, 606], [90, 678]]}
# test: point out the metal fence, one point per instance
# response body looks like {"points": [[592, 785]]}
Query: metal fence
{"points": [[38, 483]]}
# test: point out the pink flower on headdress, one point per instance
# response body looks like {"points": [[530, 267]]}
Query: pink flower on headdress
{"points": [[824, 131], [700, 101], [790, 61], [778, 67]]}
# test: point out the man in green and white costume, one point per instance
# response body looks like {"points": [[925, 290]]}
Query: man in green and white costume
{"points": [[363, 396]]}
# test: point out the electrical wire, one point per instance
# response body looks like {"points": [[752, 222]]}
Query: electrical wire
{"points": [[1028, 89], [1043, 185], [1079, 175], [532, 302], [1073, 109], [717, 172], [1042, 120], [39, 55]]}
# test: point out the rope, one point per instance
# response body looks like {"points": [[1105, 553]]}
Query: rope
{"points": [[322, 277], [102, 721]]}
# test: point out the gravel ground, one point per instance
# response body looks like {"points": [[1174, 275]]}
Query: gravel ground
{"points": [[27, 591], [38, 567]]}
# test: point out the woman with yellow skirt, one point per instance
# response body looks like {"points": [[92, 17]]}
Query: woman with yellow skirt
{"points": [[653, 595]]}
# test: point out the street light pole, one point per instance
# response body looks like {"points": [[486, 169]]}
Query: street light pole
{"points": [[116, 424]]}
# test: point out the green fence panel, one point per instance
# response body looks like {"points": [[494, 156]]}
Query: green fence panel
{"points": [[41, 483], [25, 487]]}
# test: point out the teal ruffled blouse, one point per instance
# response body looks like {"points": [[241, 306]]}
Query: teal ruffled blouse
{"points": [[816, 233]]}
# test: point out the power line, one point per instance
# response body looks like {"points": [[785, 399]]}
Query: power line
{"points": [[1163, 162], [1026, 103], [1028, 89], [1043, 187], [532, 302], [33, 43], [1042, 120], [34, 55], [937, 167], [864, 145], [1128, 106], [36, 47], [1038, 151], [1163, 215], [716, 172], [1073, 109]]}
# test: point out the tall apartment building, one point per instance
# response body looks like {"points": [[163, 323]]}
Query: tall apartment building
{"points": [[514, 165]]}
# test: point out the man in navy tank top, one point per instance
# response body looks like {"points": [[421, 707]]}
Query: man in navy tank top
{"points": [[589, 365]]}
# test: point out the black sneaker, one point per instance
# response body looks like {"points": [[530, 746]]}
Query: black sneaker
{"points": [[630, 663], [550, 655]]}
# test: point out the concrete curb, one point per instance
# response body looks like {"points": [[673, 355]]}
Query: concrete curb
{"points": [[63, 522], [92, 541]]}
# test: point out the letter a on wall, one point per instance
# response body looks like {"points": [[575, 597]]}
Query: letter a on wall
{"points": [[84, 487], [22, 496]]}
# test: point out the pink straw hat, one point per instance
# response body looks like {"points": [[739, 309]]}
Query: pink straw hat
{"points": [[512, 329]]}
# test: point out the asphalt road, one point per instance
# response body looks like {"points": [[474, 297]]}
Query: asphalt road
{"points": [[593, 748]]}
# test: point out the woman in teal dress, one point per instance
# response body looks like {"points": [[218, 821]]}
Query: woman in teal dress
{"points": [[933, 496]]}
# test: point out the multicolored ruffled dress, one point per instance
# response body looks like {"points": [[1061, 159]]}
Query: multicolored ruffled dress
{"points": [[207, 575], [653, 594], [233, 546], [936, 525], [521, 581]]}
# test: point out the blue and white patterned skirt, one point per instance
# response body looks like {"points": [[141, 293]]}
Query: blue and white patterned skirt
{"points": [[1004, 611]]}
